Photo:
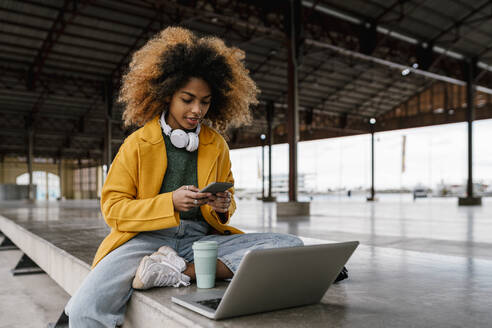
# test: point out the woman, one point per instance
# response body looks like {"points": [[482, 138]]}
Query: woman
{"points": [[151, 197]]}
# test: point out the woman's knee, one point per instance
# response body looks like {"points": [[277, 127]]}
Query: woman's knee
{"points": [[293, 240], [286, 240]]}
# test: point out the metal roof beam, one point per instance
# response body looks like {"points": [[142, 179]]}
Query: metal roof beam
{"points": [[457, 25], [86, 15], [117, 71], [58, 115], [396, 66], [409, 39], [54, 52], [54, 34], [72, 35], [52, 134], [76, 24], [54, 149], [387, 10]]}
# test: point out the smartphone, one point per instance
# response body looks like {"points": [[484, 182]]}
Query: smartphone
{"points": [[216, 187]]}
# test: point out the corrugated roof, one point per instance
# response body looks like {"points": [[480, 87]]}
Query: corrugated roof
{"points": [[55, 57]]}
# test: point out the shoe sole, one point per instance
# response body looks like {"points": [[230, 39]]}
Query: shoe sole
{"points": [[137, 283]]}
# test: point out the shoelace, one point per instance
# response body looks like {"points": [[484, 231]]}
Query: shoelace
{"points": [[172, 259], [165, 279]]}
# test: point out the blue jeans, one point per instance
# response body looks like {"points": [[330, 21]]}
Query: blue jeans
{"points": [[101, 300]]}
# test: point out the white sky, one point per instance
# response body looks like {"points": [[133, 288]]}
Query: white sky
{"points": [[433, 155]]}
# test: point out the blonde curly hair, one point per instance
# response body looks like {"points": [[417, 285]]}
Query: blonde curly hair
{"points": [[169, 60]]}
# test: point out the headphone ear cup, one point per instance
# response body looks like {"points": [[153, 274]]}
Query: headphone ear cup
{"points": [[179, 138], [193, 142]]}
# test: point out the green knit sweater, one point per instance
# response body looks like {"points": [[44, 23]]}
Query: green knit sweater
{"points": [[181, 170]]}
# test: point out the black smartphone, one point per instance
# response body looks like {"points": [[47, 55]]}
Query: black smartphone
{"points": [[216, 187]]}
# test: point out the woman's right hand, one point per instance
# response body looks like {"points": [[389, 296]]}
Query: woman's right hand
{"points": [[187, 197]]}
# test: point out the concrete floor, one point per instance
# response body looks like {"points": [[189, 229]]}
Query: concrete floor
{"points": [[28, 301], [431, 225], [425, 264]]}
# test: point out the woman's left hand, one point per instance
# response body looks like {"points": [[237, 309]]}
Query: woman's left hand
{"points": [[220, 202]]}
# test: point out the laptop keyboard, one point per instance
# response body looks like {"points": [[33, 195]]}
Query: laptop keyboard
{"points": [[213, 303]]}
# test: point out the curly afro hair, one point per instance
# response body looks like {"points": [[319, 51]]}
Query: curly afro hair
{"points": [[169, 60]]}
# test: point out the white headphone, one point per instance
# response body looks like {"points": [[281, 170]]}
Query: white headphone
{"points": [[180, 138]]}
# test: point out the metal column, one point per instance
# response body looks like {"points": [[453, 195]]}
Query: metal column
{"points": [[30, 154], [372, 165], [108, 98], [262, 166], [60, 175], [2, 168], [470, 69], [269, 114], [372, 122], [81, 178], [293, 31], [47, 185]]}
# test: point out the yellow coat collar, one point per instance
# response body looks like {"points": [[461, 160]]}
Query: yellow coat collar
{"points": [[151, 159]]}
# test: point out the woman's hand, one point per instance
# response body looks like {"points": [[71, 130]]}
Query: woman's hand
{"points": [[220, 202], [187, 197]]}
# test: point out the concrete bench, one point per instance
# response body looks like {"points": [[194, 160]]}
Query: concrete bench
{"points": [[64, 250], [386, 288]]}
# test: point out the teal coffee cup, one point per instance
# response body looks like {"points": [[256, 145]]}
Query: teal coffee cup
{"points": [[205, 254]]}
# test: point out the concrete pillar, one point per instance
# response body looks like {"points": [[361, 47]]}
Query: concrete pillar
{"points": [[470, 69]]}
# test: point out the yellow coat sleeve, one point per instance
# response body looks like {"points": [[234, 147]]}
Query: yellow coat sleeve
{"points": [[121, 208], [224, 174]]}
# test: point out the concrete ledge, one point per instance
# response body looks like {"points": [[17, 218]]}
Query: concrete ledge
{"points": [[66, 270], [469, 201], [152, 308], [293, 208], [388, 287]]}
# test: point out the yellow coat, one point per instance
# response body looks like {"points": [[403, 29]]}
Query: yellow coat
{"points": [[130, 199]]}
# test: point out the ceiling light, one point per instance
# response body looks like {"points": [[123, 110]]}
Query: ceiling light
{"points": [[405, 72]]}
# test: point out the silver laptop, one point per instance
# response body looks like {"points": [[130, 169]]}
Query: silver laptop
{"points": [[273, 279]]}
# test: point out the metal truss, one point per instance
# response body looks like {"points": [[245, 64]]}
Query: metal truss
{"points": [[54, 34]]}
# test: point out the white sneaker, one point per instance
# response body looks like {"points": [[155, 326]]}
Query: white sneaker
{"points": [[166, 254], [152, 273]]}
